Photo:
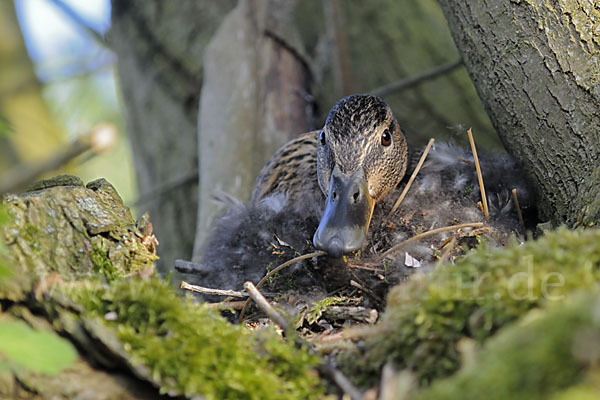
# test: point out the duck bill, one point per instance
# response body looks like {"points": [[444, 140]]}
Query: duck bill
{"points": [[345, 222]]}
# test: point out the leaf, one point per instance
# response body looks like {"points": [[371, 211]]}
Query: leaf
{"points": [[44, 352]]}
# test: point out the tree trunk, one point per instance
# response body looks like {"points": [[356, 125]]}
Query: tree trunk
{"points": [[28, 130], [160, 45], [536, 66], [255, 98]]}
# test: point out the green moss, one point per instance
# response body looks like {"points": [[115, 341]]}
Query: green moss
{"points": [[316, 311], [546, 353], [30, 233], [102, 265], [489, 288], [588, 390], [190, 350]]}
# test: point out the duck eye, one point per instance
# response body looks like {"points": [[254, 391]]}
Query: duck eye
{"points": [[322, 138], [386, 138]]}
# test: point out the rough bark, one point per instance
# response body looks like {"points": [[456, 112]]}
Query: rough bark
{"points": [[254, 99], [160, 47], [63, 227], [536, 66]]}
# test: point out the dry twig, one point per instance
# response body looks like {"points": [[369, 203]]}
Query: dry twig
{"points": [[273, 272], [367, 291], [265, 306], [217, 292], [448, 250], [356, 313], [411, 81], [81, 22], [227, 305], [464, 160], [102, 137]]}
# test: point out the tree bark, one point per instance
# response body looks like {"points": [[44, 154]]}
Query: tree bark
{"points": [[255, 98], [536, 68], [160, 48]]}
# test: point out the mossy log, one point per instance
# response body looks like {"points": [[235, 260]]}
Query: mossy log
{"points": [[62, 227], [549, 354], [430, 315], [61, 231], [80, 266]]}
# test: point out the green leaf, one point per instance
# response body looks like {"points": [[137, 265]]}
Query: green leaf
{"points": [[44, 352]]}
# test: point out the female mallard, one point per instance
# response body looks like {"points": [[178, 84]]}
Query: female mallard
{"points": [[361, 154], [322, 188]]}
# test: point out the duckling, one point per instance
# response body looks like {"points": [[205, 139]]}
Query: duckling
{"points": [[321, 189]]}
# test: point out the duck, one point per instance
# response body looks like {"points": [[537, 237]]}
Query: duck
{"points": [[333, 189], [361, 154]]}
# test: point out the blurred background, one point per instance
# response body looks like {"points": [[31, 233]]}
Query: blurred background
{"points": [[56, 82], [201, 93]]}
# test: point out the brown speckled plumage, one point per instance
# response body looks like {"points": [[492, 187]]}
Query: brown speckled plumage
{"points": [[352, 134], [291, 170]]}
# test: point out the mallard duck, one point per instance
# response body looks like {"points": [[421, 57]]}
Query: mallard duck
{"points": [[327, 187], [358, 157]]}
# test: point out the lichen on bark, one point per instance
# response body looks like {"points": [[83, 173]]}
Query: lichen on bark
{"points": [[62, 227]]}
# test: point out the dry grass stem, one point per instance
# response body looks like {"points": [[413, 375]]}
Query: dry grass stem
{"points": [[367, 291], [445, 243], [446, 254], [486, 211], [287, 264], [420, 236], [412, 177], [518, 208], [227, 305]]}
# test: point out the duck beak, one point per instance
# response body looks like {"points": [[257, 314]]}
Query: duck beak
{"points": [[345, 222]]}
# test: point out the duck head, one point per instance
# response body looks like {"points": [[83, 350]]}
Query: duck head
{"points": [[362, 154]]}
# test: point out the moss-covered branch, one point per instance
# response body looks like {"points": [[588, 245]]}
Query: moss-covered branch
{"points": [[547, 353], [78, 260], [490, 288]]}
